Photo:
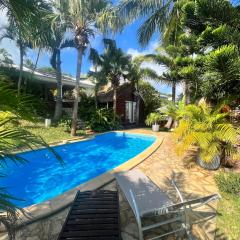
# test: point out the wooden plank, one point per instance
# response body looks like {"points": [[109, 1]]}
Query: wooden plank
{"points": [[94, 238], [83, 198], [94, 206], [89, 233], [82, 216], [91, 221], [98, 226]]}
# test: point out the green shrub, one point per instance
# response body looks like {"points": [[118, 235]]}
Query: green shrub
{"points": [[155, 118], [65, 123], [228, 182], [87, 108], [103, 120]]}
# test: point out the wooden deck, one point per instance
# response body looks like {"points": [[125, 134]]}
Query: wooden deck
{"points": [[94, 215]]}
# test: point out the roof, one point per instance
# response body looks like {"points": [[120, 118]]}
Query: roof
{"points": [[66, 80], [107, 95]]}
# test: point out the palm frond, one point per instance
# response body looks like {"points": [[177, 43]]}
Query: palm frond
{"points": [[208, 129]]}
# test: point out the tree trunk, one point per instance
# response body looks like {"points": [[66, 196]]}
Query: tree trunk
{"points": [[36, 63], [58, 105], [96, 90], [173, 92], [76, 93], [186, 92], [138, 111], [96, 93], [20, 69], [114, 101]]}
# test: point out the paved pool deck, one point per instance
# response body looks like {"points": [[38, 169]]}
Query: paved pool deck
{"points": [[193, 182]]}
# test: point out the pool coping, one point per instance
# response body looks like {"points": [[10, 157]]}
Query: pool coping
{"points": [[50, 207]]}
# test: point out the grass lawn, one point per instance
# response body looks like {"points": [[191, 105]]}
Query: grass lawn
{"points": [[51, 134], [228, 220]]}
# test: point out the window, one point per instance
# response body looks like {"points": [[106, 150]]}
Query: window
{"points": [[130, 111]]}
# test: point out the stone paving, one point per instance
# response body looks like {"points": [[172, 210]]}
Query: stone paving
{"points": [[193, 182]]}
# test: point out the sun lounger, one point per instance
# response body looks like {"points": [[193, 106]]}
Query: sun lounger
{"points": [[148, 200]]}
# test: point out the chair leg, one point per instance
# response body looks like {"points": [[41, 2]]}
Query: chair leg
{"points": [[140, 232], [189, 233]]}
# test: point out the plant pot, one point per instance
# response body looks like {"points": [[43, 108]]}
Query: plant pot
{"points": [[213, 165], [155, 128], [47, 122]]}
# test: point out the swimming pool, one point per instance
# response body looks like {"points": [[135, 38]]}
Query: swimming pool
{"points": [[43, 177]]}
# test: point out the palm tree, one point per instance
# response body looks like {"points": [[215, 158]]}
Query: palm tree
{"points": [[166, 58], [26, 14], [113, 65], [55, 45], [14, 34], [95, 59], [80, 16], [161, 16]]}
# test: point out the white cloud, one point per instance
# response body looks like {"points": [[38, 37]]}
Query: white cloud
{"points": [[3, 18], [150, 49]]}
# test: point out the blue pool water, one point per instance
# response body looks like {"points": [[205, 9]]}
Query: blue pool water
{"points": [[43, 177]]}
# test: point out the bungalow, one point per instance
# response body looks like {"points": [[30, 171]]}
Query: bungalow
{"points": [[129, 105], [68, 82], [43, 85]]}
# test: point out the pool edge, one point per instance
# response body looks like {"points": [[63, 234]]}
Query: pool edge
{"points": [[48, 208]]}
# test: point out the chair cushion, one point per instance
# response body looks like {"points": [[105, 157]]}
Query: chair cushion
{"points": [[148, 196]]}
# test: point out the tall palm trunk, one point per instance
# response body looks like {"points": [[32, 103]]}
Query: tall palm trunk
{"points": [[186, 89], [174, 92], [58, 105], [33, 70], [21, 68], [76, 92], [96, 91], [36, 63], [114, 101], [96, 94]]}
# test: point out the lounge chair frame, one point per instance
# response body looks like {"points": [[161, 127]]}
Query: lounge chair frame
{"points": [[182, 213]]}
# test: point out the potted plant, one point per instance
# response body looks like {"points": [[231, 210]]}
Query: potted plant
{"points": [[153, 119], [209, 131]]}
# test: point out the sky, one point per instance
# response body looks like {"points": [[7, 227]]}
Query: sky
{"points": [[126, 40]]}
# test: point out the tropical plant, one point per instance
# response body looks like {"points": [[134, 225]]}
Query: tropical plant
{"points": [[104, 120], [29, 64], [80, 17], [12, 32], [160, 16], [86, 108], [174, 110], [14, 138], [221, 73], [154, 119], [217, 38], [151, 96], [56, 43], [26, 15], [94, 57], [114, 65], [166, 57], [208, 129], [5, 58]]}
